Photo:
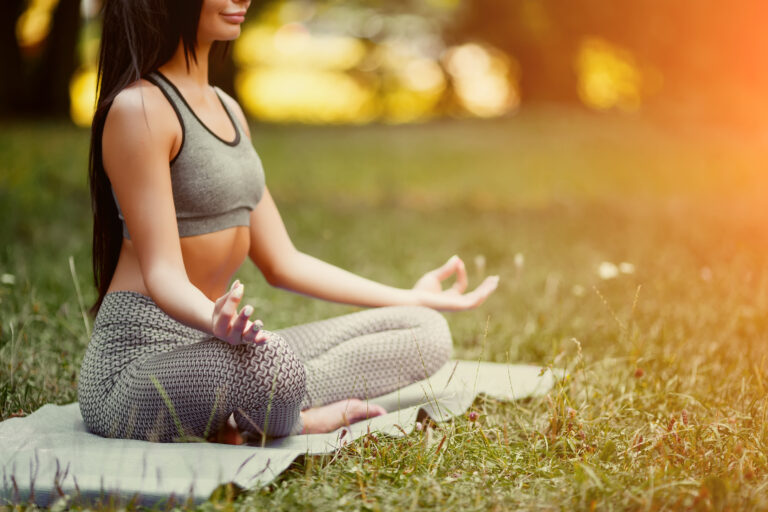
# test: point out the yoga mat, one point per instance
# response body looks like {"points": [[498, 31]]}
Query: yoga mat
{"points": [[50, 453]]}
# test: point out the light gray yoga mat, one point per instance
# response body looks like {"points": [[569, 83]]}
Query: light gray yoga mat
{"points": [[50, 452]]}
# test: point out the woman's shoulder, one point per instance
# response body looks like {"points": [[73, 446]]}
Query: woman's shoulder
{"points": [[141, 100], [140, 113], [140, 121]]}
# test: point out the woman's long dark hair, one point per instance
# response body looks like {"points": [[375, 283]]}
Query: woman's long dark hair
{"points": [[138, 36]]}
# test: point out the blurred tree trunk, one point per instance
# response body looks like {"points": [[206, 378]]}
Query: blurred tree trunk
{"points": [[39, 86], [10, 56], [51, 81]]}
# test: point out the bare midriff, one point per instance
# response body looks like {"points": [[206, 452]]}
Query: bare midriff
{"points": [[211, 261]]}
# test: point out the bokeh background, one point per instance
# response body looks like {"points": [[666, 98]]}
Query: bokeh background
{"points": [[362, 61], [609, 160]]}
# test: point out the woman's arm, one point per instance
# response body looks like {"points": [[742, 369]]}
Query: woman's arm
{"points": [[139, 133], [286, 267]]}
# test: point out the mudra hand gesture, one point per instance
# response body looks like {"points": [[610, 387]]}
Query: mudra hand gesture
{"points": [[430, 290], [232, 327]]}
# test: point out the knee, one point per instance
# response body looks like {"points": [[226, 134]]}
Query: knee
{"points": [[277, 383], [433, 336], [276, 371]]}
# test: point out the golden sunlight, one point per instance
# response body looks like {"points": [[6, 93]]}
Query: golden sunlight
{"points": [[292, 45], [482, 80], [607, 76], [289, 74], [34, 23], [82, 96], [304, 95], [411, 85], [289, 70]]}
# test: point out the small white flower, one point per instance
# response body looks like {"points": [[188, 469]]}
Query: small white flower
{"points": [[480, 263], [9, 279], [578, 290], [607, 270], [626, 268], [519, 260]]}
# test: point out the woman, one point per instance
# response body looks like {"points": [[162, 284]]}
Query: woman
{"points": [[179, 202]]}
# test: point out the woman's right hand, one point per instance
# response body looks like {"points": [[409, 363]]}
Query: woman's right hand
{"points": [[234, 327]]}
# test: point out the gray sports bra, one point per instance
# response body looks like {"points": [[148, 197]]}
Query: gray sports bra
{"points": [[216, 183]]}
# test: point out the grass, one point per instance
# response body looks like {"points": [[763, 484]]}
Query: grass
{"points": [[666, 402]]}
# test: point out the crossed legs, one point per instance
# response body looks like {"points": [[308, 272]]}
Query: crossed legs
{"points": [[351, 358], [173, 388]]}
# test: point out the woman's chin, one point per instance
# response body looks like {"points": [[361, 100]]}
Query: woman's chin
{"points": [[228, 34], [231, 35]]}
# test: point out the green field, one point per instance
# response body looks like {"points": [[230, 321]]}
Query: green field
{"points": [[665, 405]]}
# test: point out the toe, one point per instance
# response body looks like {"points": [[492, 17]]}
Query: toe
{"points": [[375, 410]]}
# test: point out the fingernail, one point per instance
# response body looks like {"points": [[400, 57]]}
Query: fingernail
{"points": [[238, 292], [248, 310]]}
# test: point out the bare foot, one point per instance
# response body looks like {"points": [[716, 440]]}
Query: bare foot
{"points": [[228, 433], [328, 418]]}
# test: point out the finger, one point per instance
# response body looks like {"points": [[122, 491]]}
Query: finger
{"points": [[479, 294], [375, 410], [228, 309], [252, 331], [460, 285], [448, 268], [230, 306], [223, 299], [489, 284], [261, 337], [237, 329]]}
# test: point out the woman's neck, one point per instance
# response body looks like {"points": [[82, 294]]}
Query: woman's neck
{"points": [[197, 74]]}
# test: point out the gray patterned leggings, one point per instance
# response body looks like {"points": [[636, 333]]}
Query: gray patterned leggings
{"points": [[147, 376]]}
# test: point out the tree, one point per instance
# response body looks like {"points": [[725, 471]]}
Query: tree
{"points": [[711, 54], [10, 56], [39, 85], [537, 33]]}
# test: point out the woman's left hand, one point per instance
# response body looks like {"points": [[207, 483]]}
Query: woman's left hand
{"points": [[430, 293]]}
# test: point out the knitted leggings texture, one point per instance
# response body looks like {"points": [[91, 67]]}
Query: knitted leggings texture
{"points": [[147, 376]]}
